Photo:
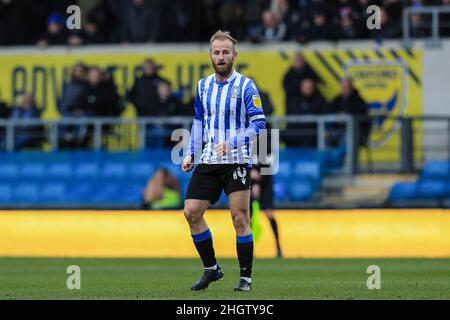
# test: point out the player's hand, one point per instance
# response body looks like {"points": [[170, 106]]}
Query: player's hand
{"points": [[188, 164], [221, 148]]}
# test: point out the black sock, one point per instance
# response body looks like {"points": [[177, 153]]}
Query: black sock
{"points": [[204, 244], [274, 225], [244, 246]]}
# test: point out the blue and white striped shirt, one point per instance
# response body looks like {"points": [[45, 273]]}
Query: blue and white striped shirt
{"points": [[230, 111]]}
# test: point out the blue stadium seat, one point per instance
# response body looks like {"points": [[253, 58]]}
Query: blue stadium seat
{"points": [[80, 192], [308, 170], [435, 170], [142, 170], [109, 193], [31, 171], [86, 170], [59, 170], [279, 190], [432, 189], [130, 194], [301, 190], [5, 193], [53, 193], [26, 192], [115, 170], [284, 169], [403, 191], [8, 171]]}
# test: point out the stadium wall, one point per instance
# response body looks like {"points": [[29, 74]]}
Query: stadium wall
{"points": [[307, 234]]}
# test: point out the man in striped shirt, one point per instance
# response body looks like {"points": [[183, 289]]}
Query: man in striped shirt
{"points": [[228, 117]]}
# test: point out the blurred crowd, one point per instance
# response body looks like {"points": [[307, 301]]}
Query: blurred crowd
{"points": [[91, 92], [43, 22]]}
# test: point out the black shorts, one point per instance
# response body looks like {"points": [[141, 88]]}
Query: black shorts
{"points": [[209, 180]]}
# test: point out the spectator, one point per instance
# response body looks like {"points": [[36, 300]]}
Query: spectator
{"points": [[252, 14], [168, 105], [279, 8], [321, 28], [144, 94], [162, 191], [309, 102], [26, 136], [271, 29], [299, 71], [141, 21], [419, 28], [390, 28], [70, 135], [298, 23], [350, 102], [348, 27], [56, 34], [73, 89], [99, 97]]}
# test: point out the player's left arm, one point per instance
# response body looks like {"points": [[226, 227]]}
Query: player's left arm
{"points": [[256, 118]]}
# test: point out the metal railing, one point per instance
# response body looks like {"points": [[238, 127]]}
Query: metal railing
{"points": [[414, 140], [434, 25]]}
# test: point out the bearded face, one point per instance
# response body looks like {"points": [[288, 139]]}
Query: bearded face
{"points": [[222, 56]]}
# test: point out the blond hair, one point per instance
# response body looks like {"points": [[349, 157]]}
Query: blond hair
{"points": [[222, 35]]}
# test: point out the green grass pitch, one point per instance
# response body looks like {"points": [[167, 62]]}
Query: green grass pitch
{"points": [[42, 278]]}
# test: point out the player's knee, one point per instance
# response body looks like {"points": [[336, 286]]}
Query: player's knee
{"points": [[191, 216], [241, 219]]}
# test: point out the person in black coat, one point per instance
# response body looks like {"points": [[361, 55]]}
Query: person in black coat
{"points": [[144, 93], [309, 102], [299, 71], [350, 102], [99, 98]]}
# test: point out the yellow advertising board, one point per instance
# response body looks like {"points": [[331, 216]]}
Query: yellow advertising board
{"points": [[303, 233], [398, 75]]}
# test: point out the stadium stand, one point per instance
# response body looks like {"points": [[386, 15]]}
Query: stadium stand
{"points": [[117, 179], [432, 184]]}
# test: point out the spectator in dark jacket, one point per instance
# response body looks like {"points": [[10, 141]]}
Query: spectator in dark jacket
{"points": [[299, 71], [321, 27], [271, 29], [28, 135], [349, 102], [310, 102], [141, 21], [144, 94], [168, 105], [349, 24], [73, 89], [99, 98], [56, 32]]}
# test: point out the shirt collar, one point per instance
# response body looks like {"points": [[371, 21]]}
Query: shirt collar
{"points": [[230, 78]]}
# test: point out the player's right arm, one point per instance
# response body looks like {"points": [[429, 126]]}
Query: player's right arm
{"points": [[195, 143]]}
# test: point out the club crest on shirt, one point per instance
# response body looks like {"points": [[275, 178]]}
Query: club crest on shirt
{"points": [[235, 91], [256, 101]]}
